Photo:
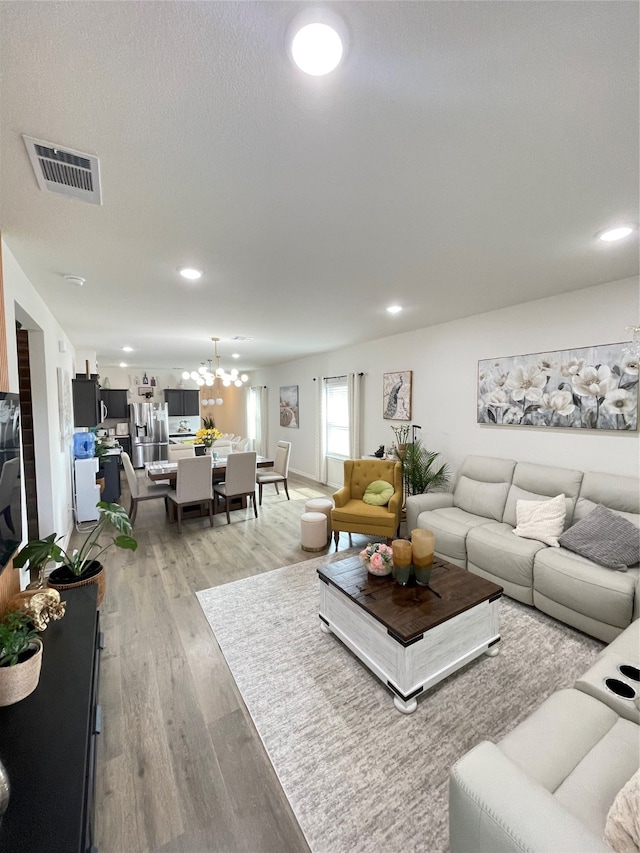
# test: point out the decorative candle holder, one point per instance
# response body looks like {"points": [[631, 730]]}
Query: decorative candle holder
{"points": [[401, 560], [423, 545]]}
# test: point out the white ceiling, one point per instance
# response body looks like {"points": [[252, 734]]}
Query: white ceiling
{"points": [[462, 158]]}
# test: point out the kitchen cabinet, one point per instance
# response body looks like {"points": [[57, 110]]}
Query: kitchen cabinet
{"points": [[181, 402], [116, 402], [86, 402], [48, 740]]}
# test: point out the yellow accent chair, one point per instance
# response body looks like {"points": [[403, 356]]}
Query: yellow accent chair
{"points": [[352, 515]]}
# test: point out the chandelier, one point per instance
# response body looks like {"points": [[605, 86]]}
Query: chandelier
{"points": [[212, 378], [633, 347]]}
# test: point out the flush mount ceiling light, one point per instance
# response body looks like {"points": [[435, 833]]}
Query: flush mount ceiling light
{"points": [[190, 273], [75, 280], [317, 41], [394, 309], [210, 377], [127, 349], [618, 233], [123, 364]]}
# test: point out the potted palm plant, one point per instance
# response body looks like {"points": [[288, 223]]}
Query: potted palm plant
{"points": [[419, 470], [20, 657], [81, 566]]}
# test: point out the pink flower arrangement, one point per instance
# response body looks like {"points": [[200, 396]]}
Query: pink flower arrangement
{"points": [[378, 558]]}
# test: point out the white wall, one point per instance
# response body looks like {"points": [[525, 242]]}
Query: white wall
{"points": [[444, 360], [46, 340]]}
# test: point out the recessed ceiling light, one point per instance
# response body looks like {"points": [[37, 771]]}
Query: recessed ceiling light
{"points": [[123, 364], [191, 273], [317, 41], [127, 349], [394, 309], [316, 49], [618, 233], [235, 355]]}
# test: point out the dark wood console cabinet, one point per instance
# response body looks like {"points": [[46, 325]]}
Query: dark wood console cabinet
{"points": [[48, 740]]}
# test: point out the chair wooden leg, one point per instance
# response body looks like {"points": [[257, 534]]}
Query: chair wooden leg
{"points": [[228, 499], [211, 513], [260, 490], [133, 509], [277, 489], [179, 518], [255, 506], [336, 537], [286, 489]]}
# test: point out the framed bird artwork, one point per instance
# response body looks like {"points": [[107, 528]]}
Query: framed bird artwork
{"points": [[396, 396]]}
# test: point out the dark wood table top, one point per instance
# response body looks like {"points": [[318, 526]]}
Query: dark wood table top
{"points": [[408, 611]]}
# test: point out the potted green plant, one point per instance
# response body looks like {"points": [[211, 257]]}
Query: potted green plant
{"points": [[419, 471], [401, 434], [20, 657], [81, 566]]}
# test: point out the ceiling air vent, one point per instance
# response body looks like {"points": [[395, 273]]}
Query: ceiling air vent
{"points": [[65, 171]]}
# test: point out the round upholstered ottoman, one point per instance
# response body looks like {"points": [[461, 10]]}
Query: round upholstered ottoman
{"points": [[323, 505], [313, 531]]}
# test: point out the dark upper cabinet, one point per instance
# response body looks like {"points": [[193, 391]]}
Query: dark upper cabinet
{"points": [[86, 399], [116, 402], [182, 402]]}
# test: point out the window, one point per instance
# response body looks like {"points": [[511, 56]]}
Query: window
{"points": [[337, 417]]}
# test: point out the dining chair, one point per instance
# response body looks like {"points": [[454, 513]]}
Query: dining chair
{"points": [[193, 486], [140, 489], [178, 451], [280, 471], [239, 481]]}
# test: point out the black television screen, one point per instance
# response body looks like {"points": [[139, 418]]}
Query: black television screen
{"points": [[10, 481]]}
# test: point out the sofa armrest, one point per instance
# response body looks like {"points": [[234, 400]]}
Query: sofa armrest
{"points": [[494, 807], [421, 503]]}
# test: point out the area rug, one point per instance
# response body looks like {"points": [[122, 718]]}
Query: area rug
{"points": [[360, 776]]}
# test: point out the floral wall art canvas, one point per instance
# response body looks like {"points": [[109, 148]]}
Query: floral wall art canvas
{"points": [[396, 396], [591, 388]]}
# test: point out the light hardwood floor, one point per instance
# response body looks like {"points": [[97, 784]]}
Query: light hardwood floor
{"points": [[180, 764]]}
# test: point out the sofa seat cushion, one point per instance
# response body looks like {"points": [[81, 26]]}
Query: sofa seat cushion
{"points": [[451, 526], [584, 587], [578, 749], [495, 548]]}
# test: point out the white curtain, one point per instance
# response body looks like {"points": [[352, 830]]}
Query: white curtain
{"points": [[257, 419], [354, 404], [321, 453]]}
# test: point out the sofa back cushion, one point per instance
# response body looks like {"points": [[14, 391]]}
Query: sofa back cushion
{"points": [[486, 499], [620, 494], [487, 469], [538, 483]]}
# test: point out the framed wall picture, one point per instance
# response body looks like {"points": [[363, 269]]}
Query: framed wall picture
{"points": [[589, 388], [146, 391], [289, 406], [396, 396]]}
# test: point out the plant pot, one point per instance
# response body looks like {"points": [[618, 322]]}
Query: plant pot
{"points": [[17, 682], [62, 579]]}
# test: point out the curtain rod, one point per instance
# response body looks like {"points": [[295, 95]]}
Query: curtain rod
{"points": [[342, 376]]}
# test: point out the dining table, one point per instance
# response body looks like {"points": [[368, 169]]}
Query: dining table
{"points": [[164, 470]]}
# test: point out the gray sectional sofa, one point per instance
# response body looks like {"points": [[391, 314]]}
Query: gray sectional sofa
{"points": [[474, 523], [548, 786]]}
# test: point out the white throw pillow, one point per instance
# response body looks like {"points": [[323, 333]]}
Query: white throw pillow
{"points": [[541, 520]]}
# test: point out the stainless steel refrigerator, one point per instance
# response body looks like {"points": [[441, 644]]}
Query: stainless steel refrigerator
{"points": [[149, 429]]}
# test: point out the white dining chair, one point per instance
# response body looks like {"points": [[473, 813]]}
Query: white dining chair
{"points": [[193, 486], [280, 471], [140, 489], [239, 480], [179, 451]]}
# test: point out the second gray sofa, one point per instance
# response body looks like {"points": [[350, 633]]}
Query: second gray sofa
{"points": [[474, 526]]}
